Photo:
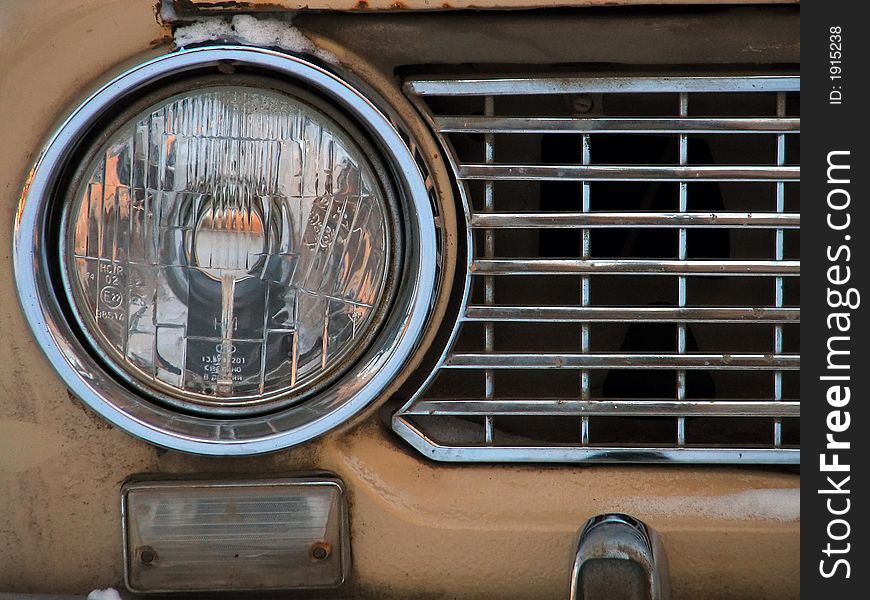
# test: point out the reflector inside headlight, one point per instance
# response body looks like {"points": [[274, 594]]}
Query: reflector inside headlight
{"points": [[227, 246]]}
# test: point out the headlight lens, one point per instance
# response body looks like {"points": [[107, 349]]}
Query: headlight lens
{"points": [[227, 245]]}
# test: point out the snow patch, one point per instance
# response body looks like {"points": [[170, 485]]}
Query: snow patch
{"points": [[107, 594], [251, 31]]}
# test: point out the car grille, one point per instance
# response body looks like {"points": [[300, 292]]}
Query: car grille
{"points": [[632, 289]]}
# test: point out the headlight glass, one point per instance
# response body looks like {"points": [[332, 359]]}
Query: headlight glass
{"points": [[228, 246]]}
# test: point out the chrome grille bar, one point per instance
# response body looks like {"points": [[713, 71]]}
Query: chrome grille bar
{"points": [[622, 407], [540, 266], [673, 368], [739, 362], [585, 288], [488, 281], [681, 280], [611, 454], [778, 282], [531, 125], [611, 314], [535, 86], [570, 220], [494, 172]]}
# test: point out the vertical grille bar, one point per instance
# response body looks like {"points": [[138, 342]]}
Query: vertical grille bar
{"points": [[778, 291], [585, 291], [488, 280], [678, 329], [681, 280]]}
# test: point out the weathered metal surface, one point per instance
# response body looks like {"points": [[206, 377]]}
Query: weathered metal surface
{"points": [[724, 38], [180, 10]]}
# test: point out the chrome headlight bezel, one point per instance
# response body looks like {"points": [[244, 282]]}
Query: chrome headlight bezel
{"points": [[89, 378]]}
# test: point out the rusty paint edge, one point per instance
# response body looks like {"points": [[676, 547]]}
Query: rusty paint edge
{"points": [[171, 11]]}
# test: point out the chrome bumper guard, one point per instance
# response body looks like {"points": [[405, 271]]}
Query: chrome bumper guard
{"points": [[619, 558]]}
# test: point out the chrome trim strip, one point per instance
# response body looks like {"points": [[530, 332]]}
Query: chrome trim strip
{"points": [[712, 362], [651, 314], [522, 86], [496, 172], [572, 220], [636, 125], [543, 266], [629, 407], [610, 454]]}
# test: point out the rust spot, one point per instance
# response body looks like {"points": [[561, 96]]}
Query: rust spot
{"points": [[269, 7], [166, 39], [446, 5], [320, 551], [191, 8], [398, 5], [362, 5], [157, 13], [193, 5]]}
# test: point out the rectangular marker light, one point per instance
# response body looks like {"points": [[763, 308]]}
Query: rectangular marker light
{"points": [[235, 535]]}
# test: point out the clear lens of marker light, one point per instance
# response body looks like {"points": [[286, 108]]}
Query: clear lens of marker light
{"points": [[228, 246]]}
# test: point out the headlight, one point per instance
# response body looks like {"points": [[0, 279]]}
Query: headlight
{"points": [[227, 245], [227, 250]]}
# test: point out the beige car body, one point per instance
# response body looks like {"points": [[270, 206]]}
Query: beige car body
{"points": [[418, 528]]}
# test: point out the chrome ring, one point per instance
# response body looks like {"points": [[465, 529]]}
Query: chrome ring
{"points": [[91, 381]]}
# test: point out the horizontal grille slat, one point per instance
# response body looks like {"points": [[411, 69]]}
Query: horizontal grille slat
{"points": [[604, 314], [708, 268], [611, 454], [613, 407], [568, 220], [565, 360], [533, 86], [632, 283], [455, 124], [496, 172]]}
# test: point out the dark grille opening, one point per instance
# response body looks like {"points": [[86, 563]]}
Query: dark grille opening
{"points": [[634, 284], [623, 290]]}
